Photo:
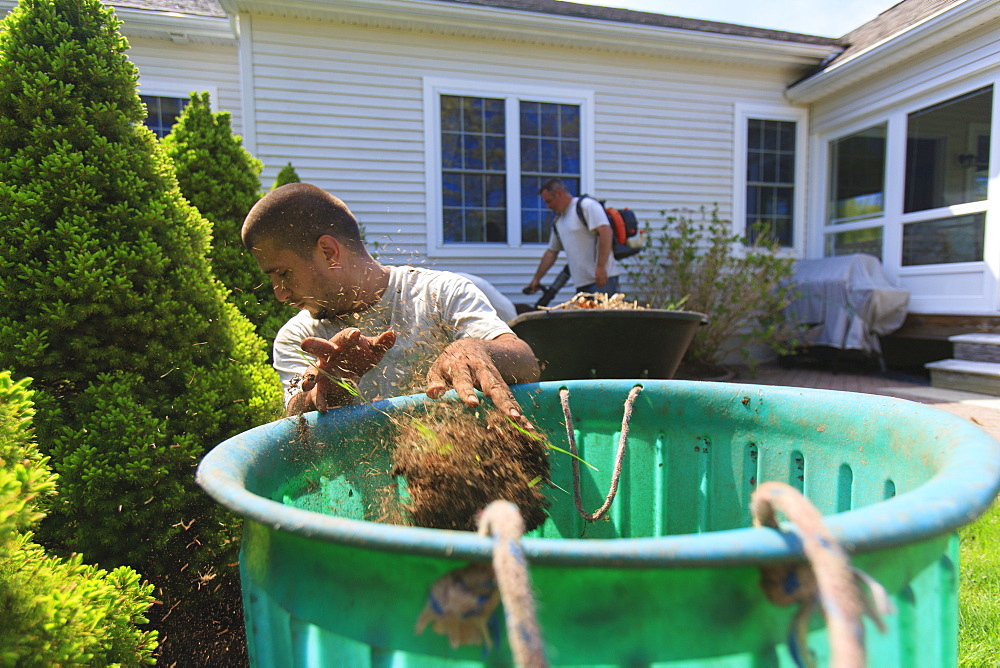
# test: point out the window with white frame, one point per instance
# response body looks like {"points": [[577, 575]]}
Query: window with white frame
{"points": [[162, 112], [770, 203], [856, 191], [769, 157], [492, 151], [947, 165]]}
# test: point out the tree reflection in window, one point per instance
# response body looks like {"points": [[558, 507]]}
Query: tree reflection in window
{"points": [[474, 165], [474, 169]]}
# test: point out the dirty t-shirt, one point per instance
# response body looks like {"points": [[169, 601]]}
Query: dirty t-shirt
{"points": [[427, 309]]}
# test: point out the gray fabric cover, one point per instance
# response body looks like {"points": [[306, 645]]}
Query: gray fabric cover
{"points": [[847, 302]]}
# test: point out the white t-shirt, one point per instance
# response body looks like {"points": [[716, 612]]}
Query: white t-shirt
{"points": [[579, 240], [427, 309]]}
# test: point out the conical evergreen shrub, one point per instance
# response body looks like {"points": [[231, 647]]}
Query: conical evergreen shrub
{"points": [[286, 175], [107, 300], [56, 612], [222, 180]]}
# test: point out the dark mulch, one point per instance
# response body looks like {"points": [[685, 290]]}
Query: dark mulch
{"points": [[207, 632]]}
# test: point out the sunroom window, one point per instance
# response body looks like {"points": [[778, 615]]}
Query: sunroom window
{"points": [[948, 152], [478, 136], [857, 176]]}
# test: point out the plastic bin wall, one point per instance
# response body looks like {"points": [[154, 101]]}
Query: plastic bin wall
{"points": [[670, 580]]}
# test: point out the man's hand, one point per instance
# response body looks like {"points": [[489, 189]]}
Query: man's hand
{"points": [[470, 364], [342, 359]]}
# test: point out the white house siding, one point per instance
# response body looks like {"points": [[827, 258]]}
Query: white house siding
{"points": [[176, 69], [960, 66], [344, 104]]}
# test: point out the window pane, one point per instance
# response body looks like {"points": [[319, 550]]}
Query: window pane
{"points": [[550, 147], [451, 189], [550, 156], [472, 151], [857, 176], [474, 165], [529, 119], [550, 120], [944, 241], [868, 240], [451, 110], [570, 119], [947, 152], [472, 114], [770, 179], [570, 161], [451, 150], [472, 191], [493, 117]]}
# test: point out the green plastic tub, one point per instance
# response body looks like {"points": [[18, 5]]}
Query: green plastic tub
{"points": [[670, 579]]}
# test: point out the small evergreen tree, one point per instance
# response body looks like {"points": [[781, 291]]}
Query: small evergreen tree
{"points": [[285, 176], [109, 302], [55, 612], [222, 180]]}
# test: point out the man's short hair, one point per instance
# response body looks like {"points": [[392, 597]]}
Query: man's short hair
{"points": [[553, 185], [295, 215]]}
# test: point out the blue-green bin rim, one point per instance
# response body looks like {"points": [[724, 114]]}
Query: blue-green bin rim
{"points": [[963, 487]]}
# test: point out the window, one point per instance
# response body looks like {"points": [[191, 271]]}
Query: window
{"points": [[550, 146], [491, 151], [947, 152], [944, 240], [474, 164], [162, 112], [867, 240], [857, 176], [770, 178]]}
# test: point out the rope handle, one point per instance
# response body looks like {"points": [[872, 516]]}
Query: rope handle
{"points": [[827, 580], [503, 521], [619, 456], [462, 601]]}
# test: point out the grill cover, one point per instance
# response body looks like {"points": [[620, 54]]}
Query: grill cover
{"points": [[846, 302]]}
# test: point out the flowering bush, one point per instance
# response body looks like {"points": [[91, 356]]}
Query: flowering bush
{"points": [[742, 286]]}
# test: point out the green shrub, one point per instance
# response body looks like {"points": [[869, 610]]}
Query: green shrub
{"points": [[742, 287], [285, 176], [109, 302], [55, 612], [222, 180]]}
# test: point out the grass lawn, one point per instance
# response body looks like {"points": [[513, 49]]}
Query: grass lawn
{"points": [[979, 592]]}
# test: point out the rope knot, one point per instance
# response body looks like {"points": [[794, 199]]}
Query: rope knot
{"points": [[827, 580]]}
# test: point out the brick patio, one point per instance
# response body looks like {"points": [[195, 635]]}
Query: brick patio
{"points": [[983, 410]]}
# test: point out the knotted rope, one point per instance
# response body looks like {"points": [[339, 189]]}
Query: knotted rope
{"points": [[827, 579], [503, 521], [619, 456], [461, 601]]}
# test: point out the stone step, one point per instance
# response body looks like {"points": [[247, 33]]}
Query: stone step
{"points": [[966, 375], [976, 347]]}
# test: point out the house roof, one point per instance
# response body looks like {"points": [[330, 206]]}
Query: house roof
{"points": [[903, 32], [898, 18], [572, 9], [553, 7], [194, 7]]}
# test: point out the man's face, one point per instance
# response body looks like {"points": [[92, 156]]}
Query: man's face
{"points": [[556, 200], [306, 283]]}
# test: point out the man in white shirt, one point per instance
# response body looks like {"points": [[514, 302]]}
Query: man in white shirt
{"points": [[587, 242], [369, 329]]}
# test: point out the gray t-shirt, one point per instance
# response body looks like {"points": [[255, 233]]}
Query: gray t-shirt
{"points": [[427, 309], [579, 239]]}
